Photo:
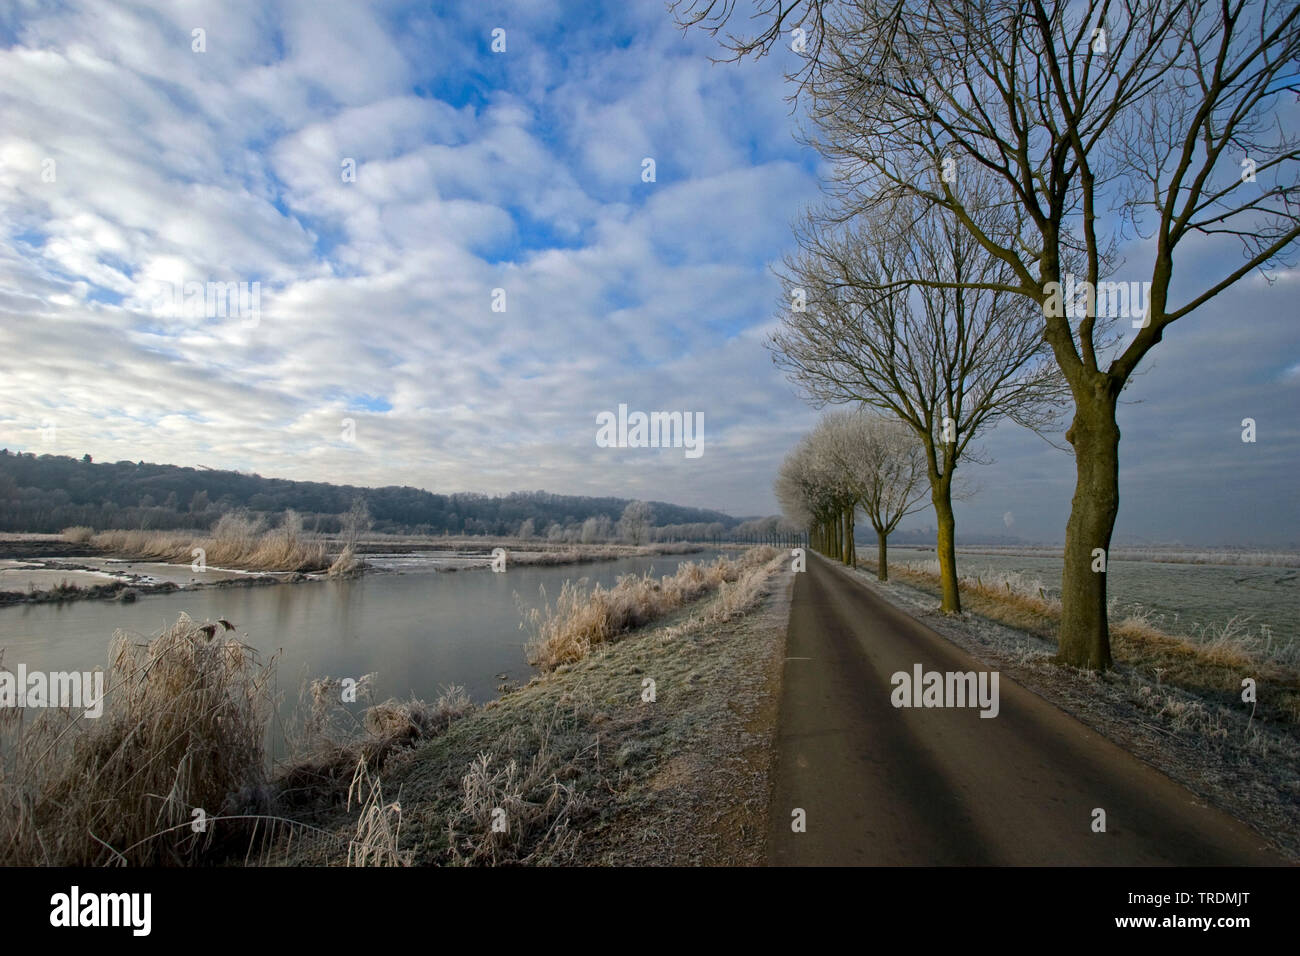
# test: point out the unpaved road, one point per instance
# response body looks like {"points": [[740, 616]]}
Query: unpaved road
{"points": [[942, 786]]}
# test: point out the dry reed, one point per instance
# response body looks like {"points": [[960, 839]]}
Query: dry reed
{"points": [[584, 617], [182, 731], [237, 541], [512, 812], [1204, 658]]}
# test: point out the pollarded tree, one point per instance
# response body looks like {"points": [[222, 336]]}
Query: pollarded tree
{"points": [[949, 362], [1097, 119]]}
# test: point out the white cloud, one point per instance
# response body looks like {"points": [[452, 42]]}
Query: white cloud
{"points": [[474, 172]]}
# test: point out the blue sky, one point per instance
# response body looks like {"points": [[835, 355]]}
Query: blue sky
{"points": [[479, 171]]}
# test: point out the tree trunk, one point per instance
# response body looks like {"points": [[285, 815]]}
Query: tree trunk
{"points": [[941, 495], [882, 556], [1085, 633]]}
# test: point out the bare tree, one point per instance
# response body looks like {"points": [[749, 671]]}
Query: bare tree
{"points": [[851, 460], [597, 528], [811, 494], [635, 523], [838, 490], [947, 361], [1162, 113], [291, 526], [355, 522], [885, 466]]}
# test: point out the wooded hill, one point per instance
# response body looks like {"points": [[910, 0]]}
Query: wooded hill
{"points": [[48, 493]]}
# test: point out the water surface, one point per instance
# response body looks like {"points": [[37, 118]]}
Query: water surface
{"points": [[419, 630]]}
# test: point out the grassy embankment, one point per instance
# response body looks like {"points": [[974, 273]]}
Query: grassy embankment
{"points": [[1207, 660], [185, 725]]}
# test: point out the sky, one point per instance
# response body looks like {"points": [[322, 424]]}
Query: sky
{"points": [[462, 259]]}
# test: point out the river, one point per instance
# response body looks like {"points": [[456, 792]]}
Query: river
{"points": [[419, 630]]}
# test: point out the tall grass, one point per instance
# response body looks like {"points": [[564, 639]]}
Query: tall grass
{"points": [[345, 563], [1201, 657], [378, 834], [1234, 641], [503, 808], [990, 580], [328, 742], [237, 541], [183, 729], [516, 811], [1157, 555], [583, 617]]}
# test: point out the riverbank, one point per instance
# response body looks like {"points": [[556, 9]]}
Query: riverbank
{"points": [[122, 566], [80, 577], [124, 591], [406, 544], [654, 749]]}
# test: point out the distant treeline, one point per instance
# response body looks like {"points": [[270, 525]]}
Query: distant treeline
{"points": [[51, 492]]}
